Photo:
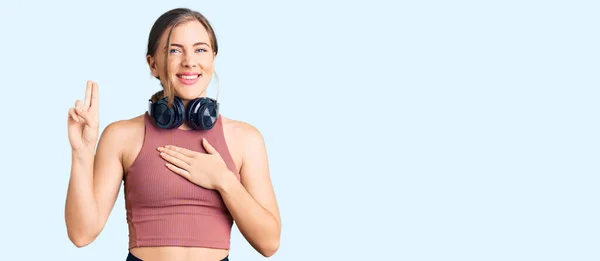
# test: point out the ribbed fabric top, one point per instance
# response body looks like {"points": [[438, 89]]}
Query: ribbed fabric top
{"points": [[165, 209]]}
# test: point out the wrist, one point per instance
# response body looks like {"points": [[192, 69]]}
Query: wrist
{"points": [[82, 155], [226, 182]]}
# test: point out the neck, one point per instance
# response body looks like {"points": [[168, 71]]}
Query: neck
{"points": [[184, 126], [186, 102]]}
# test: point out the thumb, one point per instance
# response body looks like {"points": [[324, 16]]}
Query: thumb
{"points": [[209, 148]]}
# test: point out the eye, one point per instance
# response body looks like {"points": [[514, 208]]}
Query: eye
{"points": [[173, 50], [201, 50]]}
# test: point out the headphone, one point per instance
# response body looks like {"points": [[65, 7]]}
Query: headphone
{"points": [[201, 113]]}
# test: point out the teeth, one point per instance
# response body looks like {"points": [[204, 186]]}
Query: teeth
{"points": [[188, 77]]}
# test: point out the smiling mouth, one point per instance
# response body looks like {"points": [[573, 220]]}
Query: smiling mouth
{"points": [[188, 76]]}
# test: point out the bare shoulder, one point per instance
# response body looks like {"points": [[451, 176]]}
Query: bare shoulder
{"points": [[125, 137], [242, 139], [242, 132], [124, 129]]}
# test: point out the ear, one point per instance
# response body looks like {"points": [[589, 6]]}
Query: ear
{"points": [[152, 64]]}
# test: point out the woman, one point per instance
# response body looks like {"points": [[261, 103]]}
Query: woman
{"points": [[188, 171]]}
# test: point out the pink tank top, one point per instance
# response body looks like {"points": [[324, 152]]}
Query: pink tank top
{"points": [[165, 209]]}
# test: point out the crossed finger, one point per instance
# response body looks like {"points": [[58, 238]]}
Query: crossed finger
{"points": [[88, 95], [80, 110], [94, 96], [73, 115]]}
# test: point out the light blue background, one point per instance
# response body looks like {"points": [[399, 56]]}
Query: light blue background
{"points": [[406, 130]]}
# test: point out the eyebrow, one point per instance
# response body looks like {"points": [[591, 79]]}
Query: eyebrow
{"points": [[196, 44]]}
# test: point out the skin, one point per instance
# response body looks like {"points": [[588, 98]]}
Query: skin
{"points": [[96, 178]]}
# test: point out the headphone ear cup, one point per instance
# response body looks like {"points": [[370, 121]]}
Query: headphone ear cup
{"points": [[179, 112], [165, 117], [202, 113], [192, 112]]}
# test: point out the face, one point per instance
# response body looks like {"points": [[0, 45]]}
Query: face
{"points": [[190, 62]]}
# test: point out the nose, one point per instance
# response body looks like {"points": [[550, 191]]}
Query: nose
{"points": [[188, 61]]}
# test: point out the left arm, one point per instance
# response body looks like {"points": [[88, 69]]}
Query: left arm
{"points": [[252, 201]]}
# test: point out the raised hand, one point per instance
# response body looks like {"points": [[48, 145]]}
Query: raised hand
{"points": [[83, 121], [203, 169]]}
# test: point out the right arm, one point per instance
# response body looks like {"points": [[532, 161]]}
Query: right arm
{"points": [[93, 188], [95, 179]]}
